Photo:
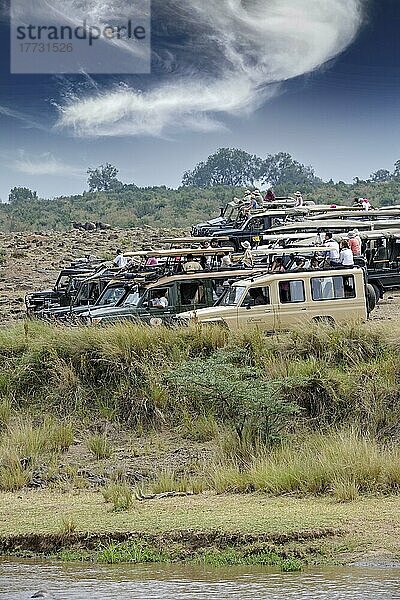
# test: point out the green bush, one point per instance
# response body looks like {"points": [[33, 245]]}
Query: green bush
{"points": [[100, 446], [119, 495]]}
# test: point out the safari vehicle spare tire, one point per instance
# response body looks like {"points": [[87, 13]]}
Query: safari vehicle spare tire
{"points": [[378, 292], [371, 298]]}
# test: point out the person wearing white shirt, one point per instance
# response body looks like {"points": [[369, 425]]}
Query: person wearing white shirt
{"points": [[161, 300], [120, 260], [346, 254], [226, 261], [299, 199], [334, 250]]}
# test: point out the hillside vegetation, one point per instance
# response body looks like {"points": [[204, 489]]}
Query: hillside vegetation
{"points": [[163, 207]]}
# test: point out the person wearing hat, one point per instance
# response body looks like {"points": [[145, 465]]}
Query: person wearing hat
{"points": [[258, 198], [299, 199], [246, 203], [354, 243], [247, 258]]}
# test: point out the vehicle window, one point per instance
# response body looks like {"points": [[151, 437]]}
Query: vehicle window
{"points": [[111, 296], [380, 254], [192, 293], [232, 296], [255, 224], [291, 291], [132, 299], [94, 291], [257, 296], [275, 222], [159, 298], [83, 293], [333, 288], [74, 284], [218, 288], [63, 281]]}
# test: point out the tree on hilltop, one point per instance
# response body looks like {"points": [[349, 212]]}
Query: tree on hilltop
{"points": [[396, 172], [227, 167], [281, 168], [19, 194], [237, 168], [380, 175], [103, 178]]}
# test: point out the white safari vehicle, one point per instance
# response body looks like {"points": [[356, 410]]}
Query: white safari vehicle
{"points": [[278, 301]]}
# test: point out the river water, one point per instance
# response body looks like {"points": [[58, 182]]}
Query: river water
{"points": [[19, 580]]}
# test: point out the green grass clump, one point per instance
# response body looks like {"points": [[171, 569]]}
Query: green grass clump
{"points": [[231, 556], [135, 552], [204, 428], [119, 495], [100, 446], [167, 480], [13, 474], [25, 445], [68, 525]]}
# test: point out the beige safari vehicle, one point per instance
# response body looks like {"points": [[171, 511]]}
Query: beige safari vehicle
{"points": [[279, 301]]}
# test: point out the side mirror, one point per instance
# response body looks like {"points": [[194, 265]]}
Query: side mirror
{"points": [[250, 304]]}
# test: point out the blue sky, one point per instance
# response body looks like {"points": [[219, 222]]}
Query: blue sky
{"points": [[320, 80]]}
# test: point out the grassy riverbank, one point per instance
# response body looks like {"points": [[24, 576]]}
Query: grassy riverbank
{"points": [[207, 527], [292, 440]]}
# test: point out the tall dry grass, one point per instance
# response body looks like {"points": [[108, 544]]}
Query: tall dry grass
{"points": [[26, 445], [344, 463]]}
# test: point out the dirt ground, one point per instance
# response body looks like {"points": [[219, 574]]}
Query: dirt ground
{"points": [[30, 262]]}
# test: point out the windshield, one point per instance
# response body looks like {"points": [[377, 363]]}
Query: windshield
{"points": [[110, 296], [232, 296], [133, 297], [62, 282]]}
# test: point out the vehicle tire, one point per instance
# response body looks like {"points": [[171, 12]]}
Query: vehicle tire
{"points": [[324, 320], [378, 292], [371, 298]]}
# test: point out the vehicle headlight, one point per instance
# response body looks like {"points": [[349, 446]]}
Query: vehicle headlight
{"points": [[95, 320]]}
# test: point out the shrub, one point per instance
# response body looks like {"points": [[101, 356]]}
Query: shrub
{"points": [[13, 475], [68, 525], [236, 392], [119, 495], [100, 446]]}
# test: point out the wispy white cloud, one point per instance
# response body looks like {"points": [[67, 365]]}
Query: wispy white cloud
{"points": [[45, 164], [22, 117], [235, 55]]}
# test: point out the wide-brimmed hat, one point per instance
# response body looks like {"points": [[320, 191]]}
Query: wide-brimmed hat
{"points": [[298, 193], [351, 234], [246, 245]]}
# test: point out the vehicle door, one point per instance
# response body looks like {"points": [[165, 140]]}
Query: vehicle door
{"points": [[336, 298], [192, 294], [153, 308], [251, 230], [392, 278], [256, 310], [292, 302]]}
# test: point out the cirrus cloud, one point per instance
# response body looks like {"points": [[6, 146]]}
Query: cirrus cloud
{"points": [[233, 56], [45, 164]]}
